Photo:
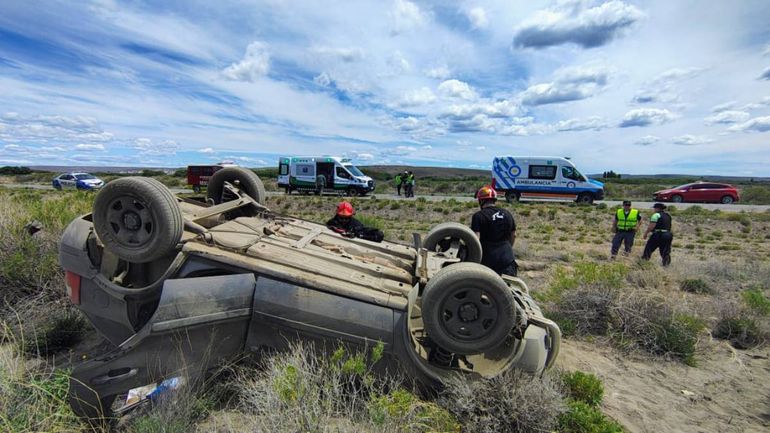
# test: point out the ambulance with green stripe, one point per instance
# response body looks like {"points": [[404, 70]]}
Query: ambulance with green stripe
{"points": [[322, 174], [543, 178]]}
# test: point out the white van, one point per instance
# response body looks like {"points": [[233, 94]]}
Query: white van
{"points": [[543, 178], [319, 174]]}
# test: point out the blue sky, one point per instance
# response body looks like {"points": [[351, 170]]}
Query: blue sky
{"points": [[639, 87]]}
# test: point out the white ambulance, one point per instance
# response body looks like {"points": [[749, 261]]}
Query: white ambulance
{"points": [[543, 178], [322, 174]]}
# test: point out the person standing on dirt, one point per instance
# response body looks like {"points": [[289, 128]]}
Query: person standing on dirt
{"points": [[660, 227], [625, 226], [409, 184], [344, 223], [496, 229], [398, 184]]}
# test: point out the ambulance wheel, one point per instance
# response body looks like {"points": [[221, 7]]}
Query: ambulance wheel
{"points": [[454, 239], [196, 188], [585, 198], [512, 196], [467, 309], [137, 219], [353, 192], [247, 181]]}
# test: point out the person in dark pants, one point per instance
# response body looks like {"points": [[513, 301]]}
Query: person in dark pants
{"points": [[409, 185], [344, 223], [625, 225], [398, 184], [496, 230], [660, 227]]}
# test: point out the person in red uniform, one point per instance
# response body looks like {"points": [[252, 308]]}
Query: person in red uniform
{"points": [[496, 229], [344, 223]]}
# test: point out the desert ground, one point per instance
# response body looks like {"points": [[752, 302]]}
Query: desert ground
{"points": [[680, 349]]}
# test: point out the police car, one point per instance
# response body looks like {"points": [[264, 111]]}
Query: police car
{"points": [[84, 181]]}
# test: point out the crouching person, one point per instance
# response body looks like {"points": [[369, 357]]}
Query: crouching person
{"points": [[344, 224]]}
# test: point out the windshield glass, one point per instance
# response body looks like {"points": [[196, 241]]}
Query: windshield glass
{"points": [[353, 169], [84, 176]]}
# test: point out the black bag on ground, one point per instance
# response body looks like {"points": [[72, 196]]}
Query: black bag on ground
{"points": [[372, 234]]}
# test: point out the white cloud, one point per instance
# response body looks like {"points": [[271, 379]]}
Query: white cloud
{"points": [[416, 98], [87, 147], [347, 55], [646, 117], [724, 107], [765, 74], [766, 51], [570, 84], [323, 79], [480, 148], [727, 117], [691, 140], [406, 16], [595, 123], [647, 140], [457, 89], [363, 156], [478, 17], [439, 73], [574, 23], [757, 124], [255, 64], [208, 150], [666, 87]]}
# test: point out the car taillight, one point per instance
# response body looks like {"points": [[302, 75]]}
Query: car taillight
{"points": [[73, 286]]}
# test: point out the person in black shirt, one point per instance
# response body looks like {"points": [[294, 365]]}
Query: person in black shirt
{"points": [[344, 223], [660, 226], [496, 230]]}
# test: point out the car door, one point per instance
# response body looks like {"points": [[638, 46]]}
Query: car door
{"points": [[715, 192], [67, 181], [697, 192]]}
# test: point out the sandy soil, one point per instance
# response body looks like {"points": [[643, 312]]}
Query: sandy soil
{"points": [[728, 391]]}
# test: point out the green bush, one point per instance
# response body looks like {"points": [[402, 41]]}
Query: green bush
{"points": [[584, 387], [403, 408], [677, 336], [695, 285], [741, 332], [756, 301], [583, 418]]}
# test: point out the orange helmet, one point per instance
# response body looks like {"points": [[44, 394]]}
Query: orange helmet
{"points": [[345, 209], [486, 192]]}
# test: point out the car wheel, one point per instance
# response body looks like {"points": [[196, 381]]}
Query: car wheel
{"points": [[57, 186], [456, 239], [248, 182], [512, 196], [467, 309], [585, 198], [137, 219], [677, 198], [728, 199]]}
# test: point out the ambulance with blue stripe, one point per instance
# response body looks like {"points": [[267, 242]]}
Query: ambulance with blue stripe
{"points": [[543, 178]]}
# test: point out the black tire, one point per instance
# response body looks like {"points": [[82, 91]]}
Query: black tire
{"points": [[512, 196], [441, 235], [467, 309], [677, 198], [196, 188], [353, 192], [585, 198], [137, 219], [728, 199], [248, 181]]}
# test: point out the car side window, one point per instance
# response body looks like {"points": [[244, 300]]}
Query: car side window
{"points": [[341, 172], [66, 177], [570, 173], [542, 172]]}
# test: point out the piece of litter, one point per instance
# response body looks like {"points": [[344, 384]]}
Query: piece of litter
{"points": [[688, 393]]}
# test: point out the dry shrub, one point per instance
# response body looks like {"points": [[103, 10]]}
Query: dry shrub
{"points": [[589, 311], [300, 391], [514, 402], [740, 326]]}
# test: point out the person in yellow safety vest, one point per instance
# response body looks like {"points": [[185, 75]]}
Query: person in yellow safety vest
{"points": [[398, 184], [625, 225]]}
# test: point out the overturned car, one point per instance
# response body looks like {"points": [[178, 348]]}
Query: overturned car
{"points": [[180, 285]]}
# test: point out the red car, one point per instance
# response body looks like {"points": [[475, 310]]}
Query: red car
{"points": [[706, 192]]}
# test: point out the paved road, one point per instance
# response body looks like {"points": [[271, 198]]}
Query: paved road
{"points": [[610, 203]]}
